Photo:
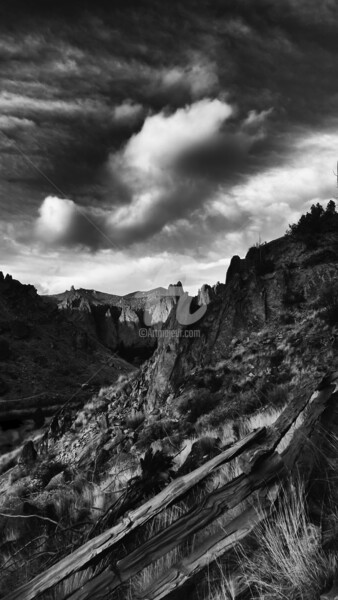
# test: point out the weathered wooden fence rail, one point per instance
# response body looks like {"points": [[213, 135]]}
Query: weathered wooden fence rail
{"points": [[263, 469]]}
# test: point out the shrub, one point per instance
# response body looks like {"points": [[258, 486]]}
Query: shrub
{"points": [[292, 297], [45, 471], [320, 258], [277, 358], [271, 394], [156, 431], [278, 396], [328, 300], [287, 319], [201, 404], [291, 265]]}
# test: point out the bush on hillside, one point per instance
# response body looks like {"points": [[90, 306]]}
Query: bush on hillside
{"points": [[317, 220], [287, 319], [156, 431], [201, 404], [293, 298], [328, 300]]}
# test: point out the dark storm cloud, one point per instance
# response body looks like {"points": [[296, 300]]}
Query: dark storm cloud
{"points": [[81, 81]]}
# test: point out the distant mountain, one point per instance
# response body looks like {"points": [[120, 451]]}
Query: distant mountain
{"points": [[155, 293], [116, 320]]}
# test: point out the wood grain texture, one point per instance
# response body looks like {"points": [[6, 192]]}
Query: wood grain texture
{"points": [[210, 550], [213, 506], [101, 545], [306, 405]]}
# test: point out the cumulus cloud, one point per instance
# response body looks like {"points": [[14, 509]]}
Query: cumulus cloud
{"points": [[158, 196], [62, 223], [164, 136]]}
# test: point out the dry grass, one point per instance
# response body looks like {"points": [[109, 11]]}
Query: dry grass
{"points": [[286, 561], [156, 569], [289, 562], [227, 589]]}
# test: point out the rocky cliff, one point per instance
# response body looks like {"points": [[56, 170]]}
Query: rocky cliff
{"points": [[117, 320], [272, 305]]}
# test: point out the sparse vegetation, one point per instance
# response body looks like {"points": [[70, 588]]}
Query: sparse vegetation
{"points": [[328, 300], [203, 402], [293, 298], [288, 561], [135, 419]]}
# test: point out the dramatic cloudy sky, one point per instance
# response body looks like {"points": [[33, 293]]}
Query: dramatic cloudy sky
{"points": [[145, 142]]}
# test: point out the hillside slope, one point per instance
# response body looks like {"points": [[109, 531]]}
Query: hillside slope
{"points": [[45, 358], [268, 337]]}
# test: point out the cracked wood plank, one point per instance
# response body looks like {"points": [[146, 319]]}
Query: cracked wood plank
{"points": [[307, 407], [205, 512], [102, 544]]}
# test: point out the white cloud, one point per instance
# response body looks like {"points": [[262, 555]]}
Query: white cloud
{"points": [[146, 162], [56, 219], [278, 196], [117, 273], [164, 136]]}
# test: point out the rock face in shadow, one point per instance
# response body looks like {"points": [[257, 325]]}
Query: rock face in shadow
{"points": [[269, 288], [44, 357], [117, 320]]}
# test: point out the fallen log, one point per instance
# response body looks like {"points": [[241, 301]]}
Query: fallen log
{"points": [[319, 402], [207, 552], [99, 546], [304, 406], [203, 514]]}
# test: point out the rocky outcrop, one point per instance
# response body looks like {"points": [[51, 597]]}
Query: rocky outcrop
{"points": [[208, 293], [272, 286], [117, 320]]}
